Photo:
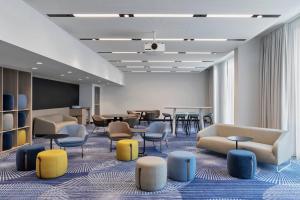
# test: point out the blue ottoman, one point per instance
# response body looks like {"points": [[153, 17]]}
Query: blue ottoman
{"points": [[7, 140], [8, 102], [181, 166], [241, 164], [26, 157], [22, 102], [21, 119]]}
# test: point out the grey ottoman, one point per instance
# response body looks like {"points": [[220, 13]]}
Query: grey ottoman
{"points": [[151, 173]]}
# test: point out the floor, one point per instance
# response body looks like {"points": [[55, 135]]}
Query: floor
{"points": [[100, 176]]}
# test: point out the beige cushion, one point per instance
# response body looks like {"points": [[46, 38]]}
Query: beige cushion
{"points": [[263, 152]]}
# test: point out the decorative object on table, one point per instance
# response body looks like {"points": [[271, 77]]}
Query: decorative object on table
{"points": [[21, 119], [181, 166], [269, 145], [26, 157], [118, 131], [238, 139], [7, 140], [21, 137], [22, 102], [150, 173], [8, 102], [8, 121], [53, 137], [99, 122], [51, 124], [241, 164], [77, 136], [51, 163], [127, 150], [157, 132]]}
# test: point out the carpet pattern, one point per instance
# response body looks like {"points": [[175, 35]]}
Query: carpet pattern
{"points": [[100, 176]]}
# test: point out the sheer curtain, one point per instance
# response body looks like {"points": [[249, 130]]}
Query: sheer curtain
{"points": [[224, 91]]}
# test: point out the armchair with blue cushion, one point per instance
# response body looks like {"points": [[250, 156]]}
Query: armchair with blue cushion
{"points": [[157, 132], [78, 136]]}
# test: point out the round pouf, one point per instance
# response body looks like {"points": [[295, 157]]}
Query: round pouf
{"points": [[26, 157], [7, 140], [127, 150], [21, 137], [151, 173], [8, 102], [51, 163], [8, 121], [21, 119], [22, 101], [241, 164], [181, 166]]}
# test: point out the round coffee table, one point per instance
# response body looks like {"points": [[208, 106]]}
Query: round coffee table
{"points": [[237, 139], [54, 136]]}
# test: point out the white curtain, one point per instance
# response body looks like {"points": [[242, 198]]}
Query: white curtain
{"points": [[224, 91]]}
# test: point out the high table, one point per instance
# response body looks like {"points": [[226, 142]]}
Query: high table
{"points": [[200, 110]]}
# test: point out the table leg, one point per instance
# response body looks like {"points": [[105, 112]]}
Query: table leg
{"points": [[51, 143], [174, 122], [236, 145]]}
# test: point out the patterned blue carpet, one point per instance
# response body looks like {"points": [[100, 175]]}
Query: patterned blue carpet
{"points": [[100, 176]]}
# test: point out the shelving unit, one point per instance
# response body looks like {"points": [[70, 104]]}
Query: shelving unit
{"points": [[16, 82]]}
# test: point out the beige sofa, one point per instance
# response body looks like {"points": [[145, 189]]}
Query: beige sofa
{"points": [[51, 124], [270, 145]]}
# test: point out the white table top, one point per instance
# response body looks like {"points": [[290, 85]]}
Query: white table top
{"points": [[186, 107]]}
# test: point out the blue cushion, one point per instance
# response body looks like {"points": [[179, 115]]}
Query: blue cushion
{"points": [[26, 157], [241, 163], [8, 102], [153, 135], [21, 119], [22, 101], [7, 140], [181, 166], [71, 140]]}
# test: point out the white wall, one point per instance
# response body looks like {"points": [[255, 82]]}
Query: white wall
{"points": [[156, 91], [247, 91], [23, 26]]}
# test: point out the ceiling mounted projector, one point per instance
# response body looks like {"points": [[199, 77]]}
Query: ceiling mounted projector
{"points": [[154, 47]]}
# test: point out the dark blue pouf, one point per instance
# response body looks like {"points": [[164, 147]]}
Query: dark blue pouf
{"points": [[21, 119], [8, 102], [241, 164], [22, 102], [26, 157], [7, 140]]}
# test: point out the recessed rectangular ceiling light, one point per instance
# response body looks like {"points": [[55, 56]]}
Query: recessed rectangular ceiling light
{"points": [[211, 39], [96, 15], [124, 52], [161, 67], [164, 15], [114, 39], [191, 61], [161, 61], [135, 67], [129, 61], [160, 71], [184, 71], [186, 67], [194, 52], [230, 15], [137, 71]]}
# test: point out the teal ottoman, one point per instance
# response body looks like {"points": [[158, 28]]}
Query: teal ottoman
{"points": [[241, 164], [181, 166]]}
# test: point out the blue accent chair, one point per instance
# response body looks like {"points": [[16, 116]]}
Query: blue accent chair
{"points": [[181, 166], [22, 101], [21, 119], [156, 132], [241, 164], [8, 102], [78, 136], [26, 157], [7, 140]]}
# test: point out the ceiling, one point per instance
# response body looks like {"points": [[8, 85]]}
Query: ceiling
{"points": [[230, 28]]}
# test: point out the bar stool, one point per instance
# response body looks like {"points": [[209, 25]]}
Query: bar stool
{"points": [[181, 117], [193, 118], [168, 116]]}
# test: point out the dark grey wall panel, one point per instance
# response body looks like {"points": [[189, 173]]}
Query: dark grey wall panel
{"points": [[53, 94]]}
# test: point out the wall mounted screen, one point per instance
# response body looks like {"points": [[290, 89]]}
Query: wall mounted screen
{"points": [[49, 94]]}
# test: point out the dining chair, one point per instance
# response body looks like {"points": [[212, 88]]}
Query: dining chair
{"points": [[117, 131], [156, 132], [99, 122]]}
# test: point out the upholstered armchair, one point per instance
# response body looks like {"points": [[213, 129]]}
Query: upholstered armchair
{"points": [[156, 132], [78, 136], [118, 131]]}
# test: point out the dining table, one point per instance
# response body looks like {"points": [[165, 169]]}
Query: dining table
{"points": [[200, 110], [116, 116]]}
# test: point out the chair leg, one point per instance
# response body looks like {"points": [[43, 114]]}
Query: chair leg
{"points": [[110, 145], [160, 146], [167, 143], [81, 151]]}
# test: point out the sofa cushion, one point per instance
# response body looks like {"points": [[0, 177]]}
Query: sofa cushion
{"points": [[216, 143], [53, 118], [263, 152]]}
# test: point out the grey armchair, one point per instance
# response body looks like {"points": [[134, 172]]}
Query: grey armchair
{"points": [[78, 136], [156, 132]]}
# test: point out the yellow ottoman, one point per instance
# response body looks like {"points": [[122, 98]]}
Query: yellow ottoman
{"points": [[127, 150], [51, 163], [21, 137]]}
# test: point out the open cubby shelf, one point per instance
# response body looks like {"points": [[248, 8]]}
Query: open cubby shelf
{"points": [[14, 82]]}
